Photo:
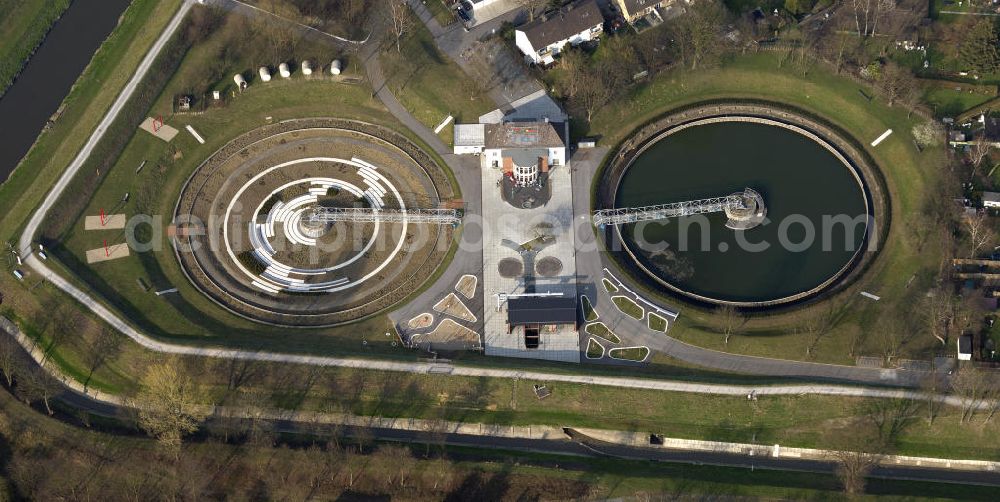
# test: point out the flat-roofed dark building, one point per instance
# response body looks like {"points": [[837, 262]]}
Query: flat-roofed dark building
{"points": [[536, 314]]}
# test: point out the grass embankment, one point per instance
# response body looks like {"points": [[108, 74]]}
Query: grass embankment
{"points": [[905, 267], [429, 84], [78, 462], [22, 28]]}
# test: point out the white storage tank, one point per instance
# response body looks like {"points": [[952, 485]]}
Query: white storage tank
{"points": [[283, 70], [265, 74], [307, 67], [335, 67], [241, 83]]}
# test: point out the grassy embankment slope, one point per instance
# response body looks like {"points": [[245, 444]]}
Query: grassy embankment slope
{"points": [[49, 459], [22, 28]]}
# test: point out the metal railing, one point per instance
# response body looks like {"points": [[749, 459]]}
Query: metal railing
{"points": [[625, 215], [371, 215]]}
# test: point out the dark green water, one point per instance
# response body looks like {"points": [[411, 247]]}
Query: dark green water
{"points": [[798, 178]]}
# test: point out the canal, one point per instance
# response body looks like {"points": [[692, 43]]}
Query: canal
{"points": [[50, 73]]}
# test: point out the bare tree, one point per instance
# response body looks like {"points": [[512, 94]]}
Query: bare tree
{"points": [[978, 151], [10, 353], [991, 396], [106, 346], [938, 311], [251, 405], [980, 233], [697, 34], [572, 64], [400, 20], [36, 384], [531, 6], [169, 406], [593, 91], [856, 451], [731, 321], [867, 14], [889, 328], [895, 83], [932, 385], [969, 384]]}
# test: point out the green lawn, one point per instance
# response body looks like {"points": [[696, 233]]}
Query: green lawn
{"points": [[594, 349], [429, 84], [629, 353], [909, 175], [599, 329], [23, 26], [589, 314], [609, 287], [655, 322], [949, 102], [628, 307]]}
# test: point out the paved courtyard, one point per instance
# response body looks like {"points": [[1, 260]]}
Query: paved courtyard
{"points": [[505, 229]]}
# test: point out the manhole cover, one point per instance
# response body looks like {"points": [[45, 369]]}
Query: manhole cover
{"points": [[510, 268], [548, 266]]}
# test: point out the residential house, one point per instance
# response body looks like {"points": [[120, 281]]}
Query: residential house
{"points": [[634, 10], [545, 37]]}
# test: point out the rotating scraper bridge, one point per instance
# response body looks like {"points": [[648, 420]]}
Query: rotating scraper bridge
{"points": [[744, 209]]}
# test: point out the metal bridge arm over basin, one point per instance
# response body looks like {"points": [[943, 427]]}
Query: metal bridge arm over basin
{"points": [[622, 216], [367, 215]]}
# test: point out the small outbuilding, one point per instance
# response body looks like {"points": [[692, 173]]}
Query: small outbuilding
{"points": [[469, 139], [991, 199], [965, 348], [241, 82]]}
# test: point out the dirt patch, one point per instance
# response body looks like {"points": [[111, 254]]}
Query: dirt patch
{"points": [[421, 321], [510, 268], [453, 306], [550, 266], [466, 286], [448, 335]]}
